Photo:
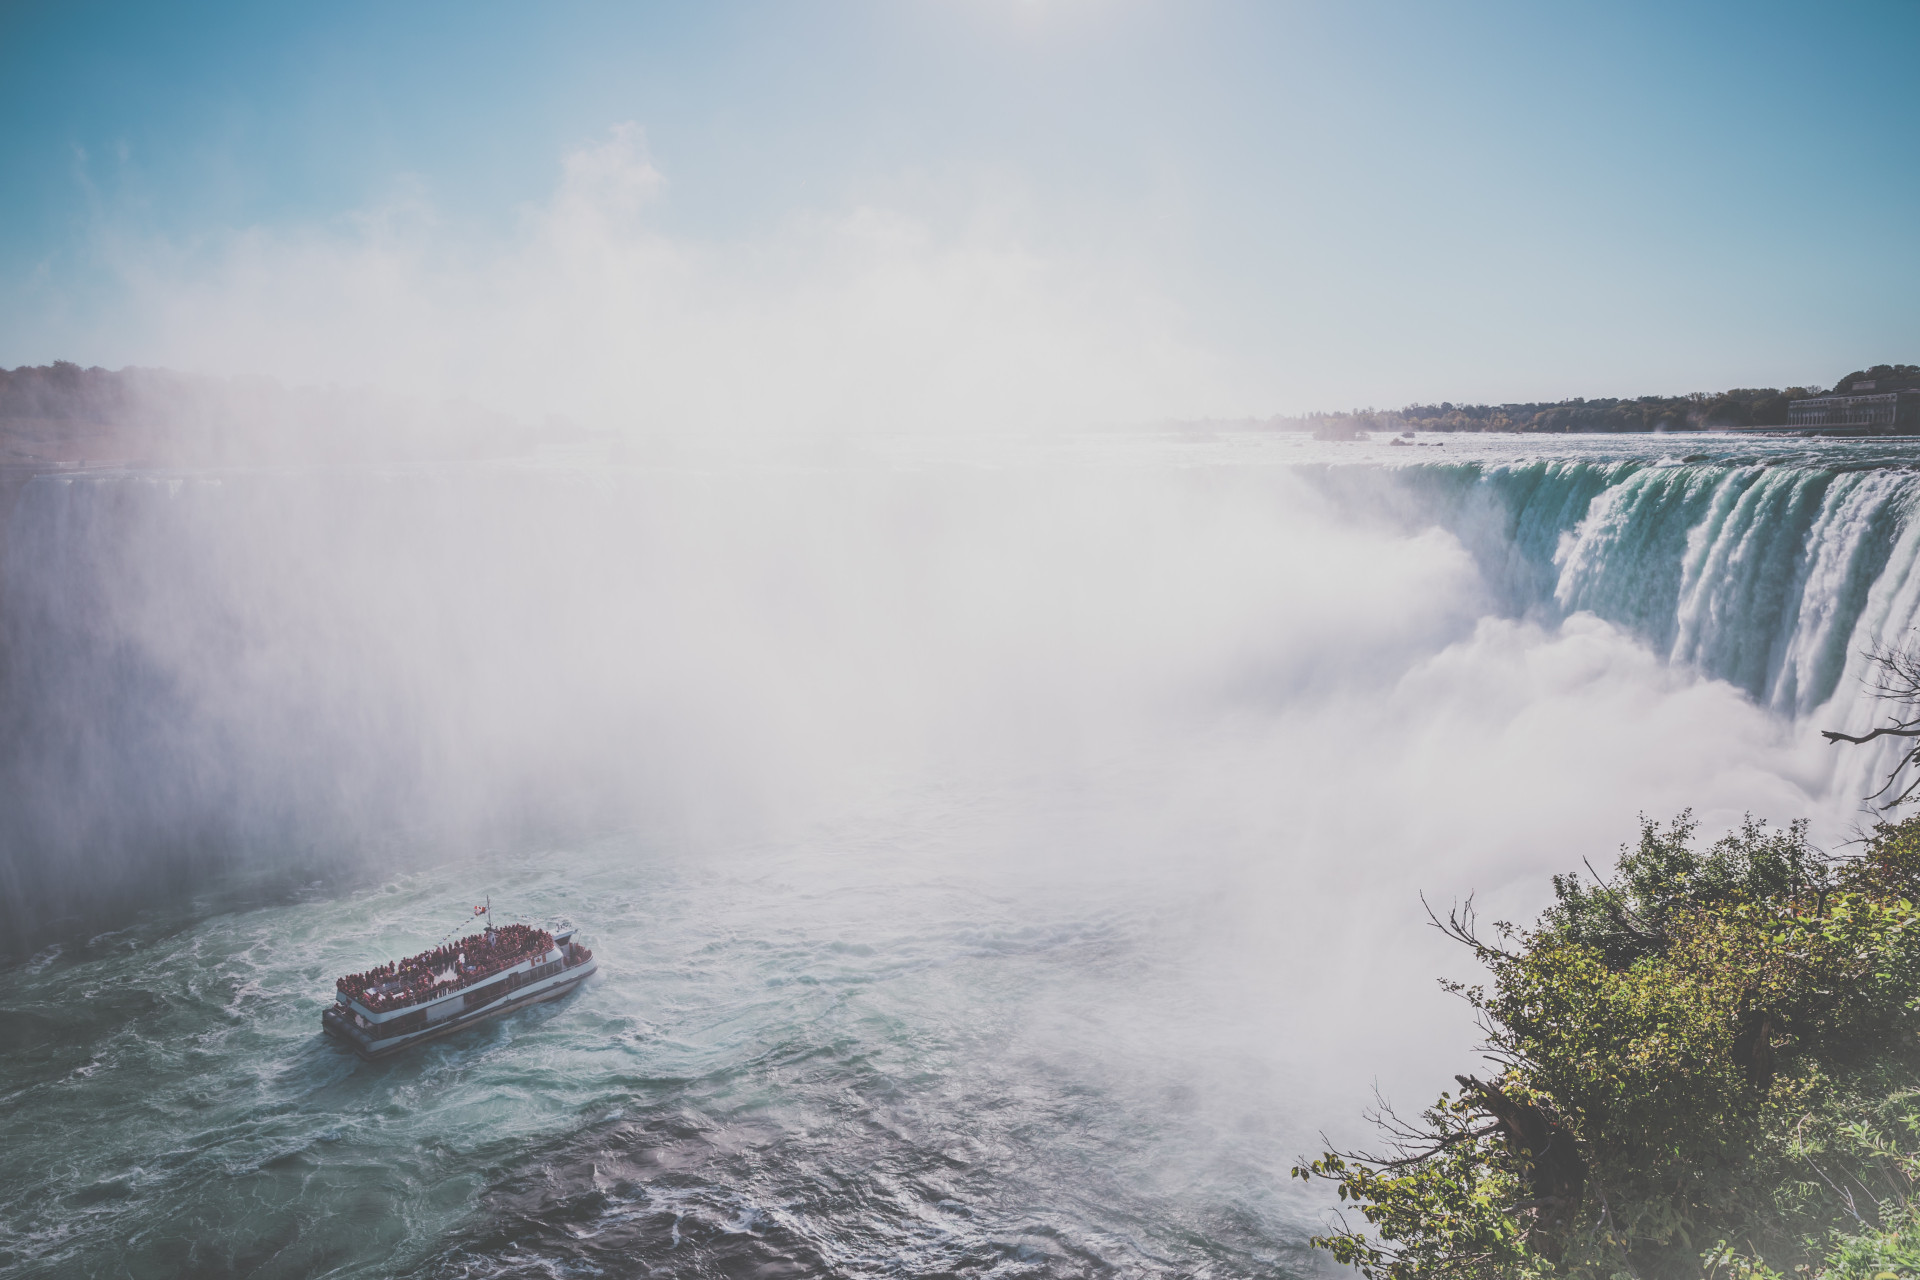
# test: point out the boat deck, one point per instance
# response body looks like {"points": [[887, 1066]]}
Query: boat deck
{"points": [[411, 1002]]}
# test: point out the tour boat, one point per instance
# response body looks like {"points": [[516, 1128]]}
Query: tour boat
{"points": [[452, 986]]}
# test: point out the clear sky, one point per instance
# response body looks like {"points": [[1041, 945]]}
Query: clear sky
{"points": [[1095, 207]]}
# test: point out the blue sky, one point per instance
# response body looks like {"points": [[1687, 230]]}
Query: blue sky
{"points": [[1313, 205]]}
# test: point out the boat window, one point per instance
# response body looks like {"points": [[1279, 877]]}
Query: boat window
{"points": [[481, 995]]}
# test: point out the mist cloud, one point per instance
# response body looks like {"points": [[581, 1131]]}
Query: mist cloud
{"points": [[865, 318]]}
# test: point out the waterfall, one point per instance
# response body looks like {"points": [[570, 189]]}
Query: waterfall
{"points": [[1766, 576], [1774, 577]]}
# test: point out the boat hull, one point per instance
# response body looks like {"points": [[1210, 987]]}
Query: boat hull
{"points": [[336, 1024]]}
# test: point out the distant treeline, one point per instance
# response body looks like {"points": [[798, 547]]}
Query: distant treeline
{"points": [[64, 413], [1742, 407], [63, 390]]}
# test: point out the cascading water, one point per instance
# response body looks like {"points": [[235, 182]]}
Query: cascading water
{"points": [[1754, 575], [1004, 856], [1775, 575]]}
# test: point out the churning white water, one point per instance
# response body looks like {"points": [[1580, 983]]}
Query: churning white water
{"points": [[1005, 854]]}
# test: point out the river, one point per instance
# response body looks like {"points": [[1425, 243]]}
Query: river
{"points": [[1004, 854]]}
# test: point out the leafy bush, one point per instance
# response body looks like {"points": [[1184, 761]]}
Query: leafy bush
{"points": [[1706, 1063]]}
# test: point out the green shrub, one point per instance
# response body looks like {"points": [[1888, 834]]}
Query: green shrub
{"points": [[1706, 1063]]}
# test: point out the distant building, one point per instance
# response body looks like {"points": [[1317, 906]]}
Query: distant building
{"points": [[1882, 413]]}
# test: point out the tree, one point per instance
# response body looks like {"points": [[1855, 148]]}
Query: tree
{"points": [[1707, 1058]]}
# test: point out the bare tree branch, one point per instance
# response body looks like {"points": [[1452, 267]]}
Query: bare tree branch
{"points": [[1896, 731], [1435, 1144], [1461, 925], [1894, 677]]}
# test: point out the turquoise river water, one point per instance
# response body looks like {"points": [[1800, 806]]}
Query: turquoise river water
{"points": [[1003, 855]]}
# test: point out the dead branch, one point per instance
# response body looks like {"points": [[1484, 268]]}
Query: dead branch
{"points": [[1436, 1143], [1461, 926], [1896, 679], [1907, 730]]}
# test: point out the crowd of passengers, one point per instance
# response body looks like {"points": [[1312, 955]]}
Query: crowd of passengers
{"points": [[462, 962]]}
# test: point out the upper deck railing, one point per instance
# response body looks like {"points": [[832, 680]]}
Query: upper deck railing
{"points": [[444, 969]]}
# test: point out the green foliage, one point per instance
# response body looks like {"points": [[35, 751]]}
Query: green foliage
{"points": [[1445, 1213], [1886, 1253], [1708, 1062], [1889, 867], [1884, 377], [1739, 407], [1664, 879]]}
